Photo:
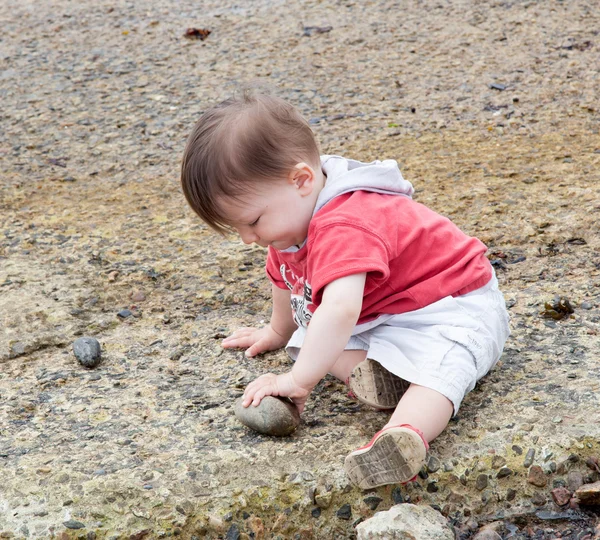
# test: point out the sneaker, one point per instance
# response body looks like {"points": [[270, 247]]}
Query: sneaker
{"points": [[374, 385], [394, 455]]}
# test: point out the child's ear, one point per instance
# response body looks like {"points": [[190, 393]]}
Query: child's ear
{"points": [[303, 177]]}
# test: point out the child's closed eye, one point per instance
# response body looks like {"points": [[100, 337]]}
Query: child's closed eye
{"points": [[255, 222]]}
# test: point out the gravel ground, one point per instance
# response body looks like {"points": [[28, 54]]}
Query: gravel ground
{"points": [[492, 110]]}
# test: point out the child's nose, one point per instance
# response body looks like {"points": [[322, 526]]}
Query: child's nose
{"points": [[248, 237]]}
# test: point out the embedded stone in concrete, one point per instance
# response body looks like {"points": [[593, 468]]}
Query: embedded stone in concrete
{"points": [[272, 416], [589, 494], [87, 351], [404, 522]]}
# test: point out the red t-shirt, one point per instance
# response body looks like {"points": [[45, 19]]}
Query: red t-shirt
{"points": [[412, 256]]}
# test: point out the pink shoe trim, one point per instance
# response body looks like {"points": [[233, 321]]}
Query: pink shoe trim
{"points": [[350, 394], [408, 426]]}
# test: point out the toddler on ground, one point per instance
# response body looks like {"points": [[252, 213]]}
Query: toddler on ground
{"points": [[367, 284]]}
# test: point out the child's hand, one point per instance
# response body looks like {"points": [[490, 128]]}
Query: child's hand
{"points": [[276, 385], [258, 340]]}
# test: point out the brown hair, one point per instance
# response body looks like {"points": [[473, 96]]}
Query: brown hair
{"points": [[239, 143]]}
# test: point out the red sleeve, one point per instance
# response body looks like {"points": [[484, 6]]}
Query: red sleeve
{"points": [[273, 271], [343, 249]]}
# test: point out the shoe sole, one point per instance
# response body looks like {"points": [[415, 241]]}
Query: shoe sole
{"points": [[395, 457], [375, 386]]}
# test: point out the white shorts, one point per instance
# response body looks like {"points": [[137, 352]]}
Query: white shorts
{"points": [[447, 346]]}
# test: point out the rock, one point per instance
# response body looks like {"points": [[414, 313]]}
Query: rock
{"points": [[574, 480], [397, 497], [72, 524], [273, 416], [404, 522], [589, 494], [538, 499], [481, 482], [504, 472], [561, 496], [345, 512], [124, 314], [498, 462], [233, 533], [529, 457], [323, 498], [372, 501], [88, 352], [537, 477], [433, 465]]}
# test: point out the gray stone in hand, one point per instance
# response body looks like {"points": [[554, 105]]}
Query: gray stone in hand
{"points": [[273, 416], [87, 351]]}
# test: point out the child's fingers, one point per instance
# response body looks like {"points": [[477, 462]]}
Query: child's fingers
{"points": [[261, 393], [237, 343], [257, 389], [242, 332], [256, 348]]}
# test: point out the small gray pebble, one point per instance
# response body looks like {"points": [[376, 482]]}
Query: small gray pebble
{"points": [[481, 482], [87, 351], [72, 524], [529, 457], [433, 465], [273, 416], [586, 305]]}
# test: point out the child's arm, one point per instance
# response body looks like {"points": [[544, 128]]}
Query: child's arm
{"points": [[273, 336], [328, 333]]}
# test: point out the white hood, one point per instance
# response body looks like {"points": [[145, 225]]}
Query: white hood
{"points": [[345, 175]]}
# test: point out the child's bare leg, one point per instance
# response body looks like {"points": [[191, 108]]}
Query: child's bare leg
{"points": [[347, 361], [425, 409]]}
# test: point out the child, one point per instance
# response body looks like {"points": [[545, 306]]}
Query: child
{"points": [[386, 295]]}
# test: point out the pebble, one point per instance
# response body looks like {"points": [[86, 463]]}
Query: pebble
{"points": [[504, 472], [574, 480], [498, 462], [88, 352], [561, 496], [538, 499], [233, 533], [433, 465], [529, 457], [481, 482], [589, 494], [345, 512], [124, 313], [397, 497], [586, 305], [273, 416], [537, 477], [323, 498], [372, 502], [72, 524], [315, 512]]}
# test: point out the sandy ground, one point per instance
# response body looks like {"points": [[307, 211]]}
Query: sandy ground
{"points": [[492, 110]]}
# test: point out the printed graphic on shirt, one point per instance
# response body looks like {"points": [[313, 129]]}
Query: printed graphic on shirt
{"points": [[301, 296]]}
